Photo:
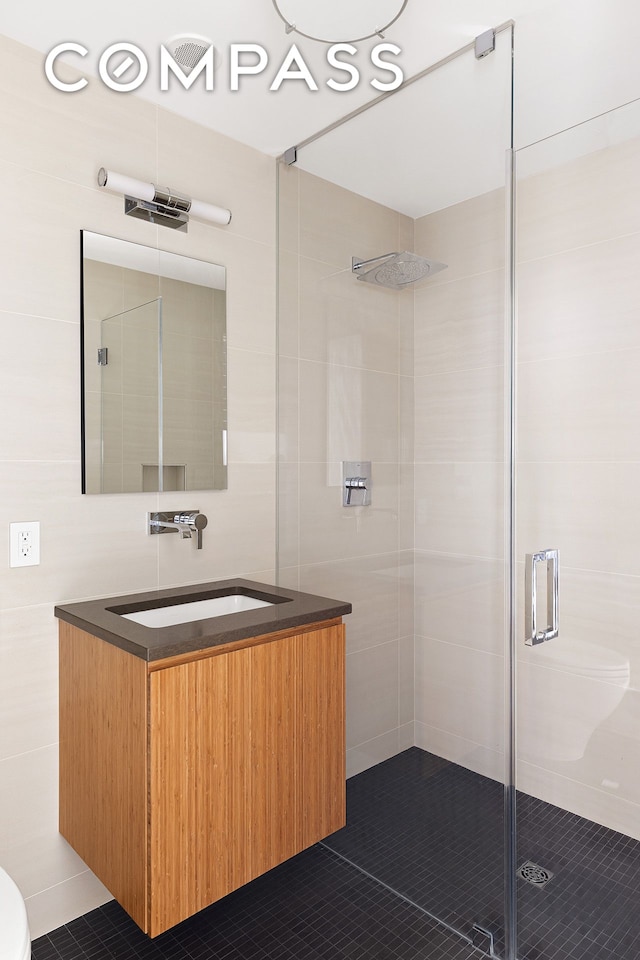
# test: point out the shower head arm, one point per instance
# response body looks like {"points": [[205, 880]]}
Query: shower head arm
{"points": [[357, 264]]}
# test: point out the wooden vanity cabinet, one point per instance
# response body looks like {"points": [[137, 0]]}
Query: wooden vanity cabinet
{"points": [[182, 779]]}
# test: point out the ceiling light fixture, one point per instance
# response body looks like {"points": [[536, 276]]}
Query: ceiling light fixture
{"points": [[334, 21], [160, 205]]}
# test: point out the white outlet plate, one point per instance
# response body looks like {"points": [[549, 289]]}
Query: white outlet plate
{"points": [[24, 544]]}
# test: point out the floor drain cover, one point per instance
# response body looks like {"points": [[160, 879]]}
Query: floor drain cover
{"points": [[532, 873]]}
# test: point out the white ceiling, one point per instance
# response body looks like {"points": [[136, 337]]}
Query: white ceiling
{"points": [[270, 121], [411, 152]]}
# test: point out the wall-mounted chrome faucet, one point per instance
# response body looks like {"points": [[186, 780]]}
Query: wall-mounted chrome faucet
{"points": [[188, 523]]}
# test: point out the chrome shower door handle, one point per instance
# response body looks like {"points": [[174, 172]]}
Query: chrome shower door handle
{"points": [[534, 636]]}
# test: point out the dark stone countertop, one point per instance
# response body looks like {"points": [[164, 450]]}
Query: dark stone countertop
{"points": [[102, 618]]}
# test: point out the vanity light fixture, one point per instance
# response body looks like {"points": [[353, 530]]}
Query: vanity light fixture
{"points": [[160, 205]]}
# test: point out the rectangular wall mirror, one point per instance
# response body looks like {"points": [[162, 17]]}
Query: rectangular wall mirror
{"points": [[154, 411]]}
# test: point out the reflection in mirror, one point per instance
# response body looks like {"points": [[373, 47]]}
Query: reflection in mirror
{"points": [[154, 369]]}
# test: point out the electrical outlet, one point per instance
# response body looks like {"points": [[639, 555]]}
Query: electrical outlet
{"points": [[24, 544]]}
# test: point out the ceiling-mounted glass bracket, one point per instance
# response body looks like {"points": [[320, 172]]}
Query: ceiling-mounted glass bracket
{"points": [[485, 43], [290, 156]]}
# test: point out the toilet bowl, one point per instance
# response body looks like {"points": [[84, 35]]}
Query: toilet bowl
{"points": [[15, 942], [566, 689]]}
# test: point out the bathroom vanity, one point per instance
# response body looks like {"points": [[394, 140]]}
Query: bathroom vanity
{"points": [[198, 755]]}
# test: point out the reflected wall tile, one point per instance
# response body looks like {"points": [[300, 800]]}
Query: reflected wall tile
{"points": [[459, 416], [468, 236], [371, 584], [460, 691], [460, 325], [372, 693], [329, 531], [459, 508], [347, 414], [103, 290], [47, 386], [187, 364], [586, 511], [347, 322], [580, 408], [563, 299], [461, 600]]}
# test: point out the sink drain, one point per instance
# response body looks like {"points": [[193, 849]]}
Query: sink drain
{"points": [[532, 873]]}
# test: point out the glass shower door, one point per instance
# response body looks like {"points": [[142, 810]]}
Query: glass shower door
{"points": [[577, 531]]}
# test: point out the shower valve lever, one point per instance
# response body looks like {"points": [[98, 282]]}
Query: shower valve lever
{"points": [[356, 483]]}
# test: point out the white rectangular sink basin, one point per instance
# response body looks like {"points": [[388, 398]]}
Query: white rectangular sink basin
{"points": [[196, 610]]}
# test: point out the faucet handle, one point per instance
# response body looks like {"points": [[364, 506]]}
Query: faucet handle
{"points": [[194, 521]]}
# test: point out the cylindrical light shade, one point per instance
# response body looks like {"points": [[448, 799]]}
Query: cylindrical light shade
{"points": [[119, 183], [207, 211]]}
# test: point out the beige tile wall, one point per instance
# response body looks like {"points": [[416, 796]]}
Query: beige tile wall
{"points": [[579, 472], [459, 486], [50, 150], [346, 393]]}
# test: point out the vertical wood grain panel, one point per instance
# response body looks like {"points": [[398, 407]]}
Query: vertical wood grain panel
{"points": [[103, 775], [274, 703], [321, 734]]}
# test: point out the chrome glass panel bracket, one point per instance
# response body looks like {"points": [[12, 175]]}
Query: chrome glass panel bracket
{"points": [[533, 636]]}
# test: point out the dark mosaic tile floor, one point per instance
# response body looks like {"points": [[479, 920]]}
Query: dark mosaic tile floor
{"points": [[433, 832], [314, 907]]}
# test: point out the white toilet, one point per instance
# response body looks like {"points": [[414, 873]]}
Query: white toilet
{"points": [[15, 942], [567, 688]]}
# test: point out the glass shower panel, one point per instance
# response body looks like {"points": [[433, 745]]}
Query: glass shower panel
{"points": [[412, 380], [130, 392], [578, 475]]}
